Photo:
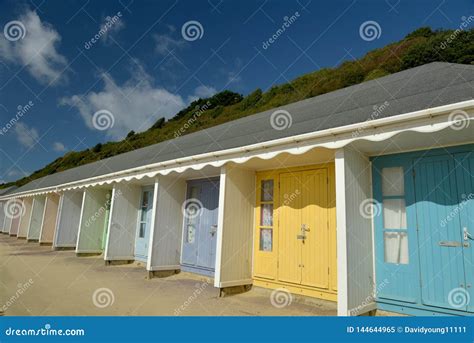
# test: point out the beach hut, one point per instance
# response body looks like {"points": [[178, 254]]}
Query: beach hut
{"points": [[361, 196]]}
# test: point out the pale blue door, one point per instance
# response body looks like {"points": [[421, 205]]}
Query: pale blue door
{"points": [[200, 226], [439, 231], [465, 180], [144, 224], [424, 231]]}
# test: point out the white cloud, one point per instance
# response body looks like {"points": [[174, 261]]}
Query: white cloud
{"points": [[59, 147], [135, 105], [202, 92], [37, 50], [15, 173], [25, 135], [166, 43]]}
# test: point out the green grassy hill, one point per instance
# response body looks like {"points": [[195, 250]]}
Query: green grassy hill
{"points": [[419, 47]]}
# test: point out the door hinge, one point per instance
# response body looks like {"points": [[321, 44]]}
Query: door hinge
{"points": [[329, 270], [278, 264]]}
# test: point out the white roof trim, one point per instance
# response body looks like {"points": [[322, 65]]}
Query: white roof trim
{"points": [[424, 121]]}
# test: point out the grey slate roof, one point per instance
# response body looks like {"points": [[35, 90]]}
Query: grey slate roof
{"points": [[7, 190], [426, 86]]}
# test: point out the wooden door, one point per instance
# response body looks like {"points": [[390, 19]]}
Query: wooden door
{"points": [[289, 226], [314, 212]]}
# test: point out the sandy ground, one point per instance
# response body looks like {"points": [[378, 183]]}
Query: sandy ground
{"points": [[34, 280]]}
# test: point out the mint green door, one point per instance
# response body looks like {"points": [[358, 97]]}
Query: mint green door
{"points": [[106, 221]]}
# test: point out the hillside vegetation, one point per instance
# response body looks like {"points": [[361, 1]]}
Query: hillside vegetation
{"points": [[419, 47]]}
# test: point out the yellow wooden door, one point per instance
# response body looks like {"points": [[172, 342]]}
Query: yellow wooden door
{"points": [[289, 226], [314, 213]]}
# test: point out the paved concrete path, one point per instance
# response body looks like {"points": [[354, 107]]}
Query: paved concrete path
{"points": [[34, 280]]}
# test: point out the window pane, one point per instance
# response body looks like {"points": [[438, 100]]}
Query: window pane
{"points": [[266, 215], [194, 192], [267, 190], [190, 234], [142, 230], [266, 238], [392, 181], [145, 199], [143, 215], [394, 214], [396, 247]]}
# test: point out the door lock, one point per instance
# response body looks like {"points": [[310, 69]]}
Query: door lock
{"points": [[302, 235]]}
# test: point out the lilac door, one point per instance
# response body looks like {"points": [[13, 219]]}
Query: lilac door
{"points": [[200, 226]]}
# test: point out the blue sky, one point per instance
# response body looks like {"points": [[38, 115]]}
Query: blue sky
{"points": [[141, 67]]}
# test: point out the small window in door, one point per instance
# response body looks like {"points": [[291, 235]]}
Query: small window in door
{"points": [[141, 233], [266, 215], [395, 236], [194, 192], [267, 190], [396, 247], [145, 199], [190, 234], [266, 239], [393, 194]]}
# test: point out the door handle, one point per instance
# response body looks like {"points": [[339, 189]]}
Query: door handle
{"points": [[213, 230], [453, 244], [466, 235]]}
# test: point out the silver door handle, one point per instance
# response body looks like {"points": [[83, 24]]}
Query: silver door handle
{"points": [[466, 234], [453, 244], [213, 230]]}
